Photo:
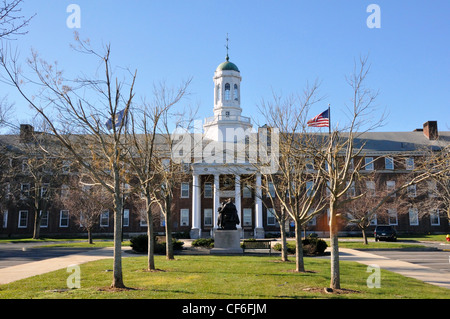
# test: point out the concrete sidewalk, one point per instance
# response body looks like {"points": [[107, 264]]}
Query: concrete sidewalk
{"points": [[13, 273], [425, 274]]}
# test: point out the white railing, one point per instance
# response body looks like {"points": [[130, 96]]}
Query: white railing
{"points": [[227, 118]]}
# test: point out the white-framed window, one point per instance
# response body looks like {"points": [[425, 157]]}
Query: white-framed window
{"points": [[390, 186], [271, 190], [64, 218], [246, 191], [413, 216], [409, 163], [45, 188], [208, 192], [24, 190], [434, 217], [236, 92], [271, 219], [143, 219], [411, 190], [389, 163], [126, 218], [227, 91], [392, 216], [184, 217], [368, 163], [184, 190], [5, 219], [23, 219], [104, 218], [370, 186], [207, 217], [44, 219], [247, 217]]}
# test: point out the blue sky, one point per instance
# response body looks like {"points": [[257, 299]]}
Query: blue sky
{"points": [[277, 45]]}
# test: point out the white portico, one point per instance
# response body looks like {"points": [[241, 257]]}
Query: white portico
{"points": [[224, 131]]}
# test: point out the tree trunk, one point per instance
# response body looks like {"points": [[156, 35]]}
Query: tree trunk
{"points": [[37, 225], [335, 275], [299, 264], [169, 246], [117, 268], [364, 236], [89, 231], [284, 255], [151, 237]]}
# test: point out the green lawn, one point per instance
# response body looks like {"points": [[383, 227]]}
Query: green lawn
{"points": [[219, 277]]}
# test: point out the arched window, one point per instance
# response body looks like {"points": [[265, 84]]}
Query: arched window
{"points": [[227, 91], [236, 93]]}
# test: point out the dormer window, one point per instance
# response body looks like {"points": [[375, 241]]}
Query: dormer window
{"points": [[236, 93], [227, 91]]}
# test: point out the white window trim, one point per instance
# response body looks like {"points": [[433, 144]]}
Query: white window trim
{"points": [[207, 213], [208, 195], [393, 213], [413, 212], [5, 219], [61, 218], [104, 216], [184, 217], [20, 219], [247, 214], [271, 214], [389, 163], [436, 213], [42, 218], [369, 164], [126, 218], [185, 184]]}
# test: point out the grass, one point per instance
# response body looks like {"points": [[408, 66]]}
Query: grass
{"points": [[219, 277]]}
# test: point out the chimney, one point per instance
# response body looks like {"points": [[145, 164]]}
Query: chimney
{"points": [[26, 132], [430, 130]]}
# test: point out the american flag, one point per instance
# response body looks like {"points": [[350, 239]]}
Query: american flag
{"points": [[321, 120]]}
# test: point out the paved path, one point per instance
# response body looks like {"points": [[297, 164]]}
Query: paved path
{"points": [[420, 272]]}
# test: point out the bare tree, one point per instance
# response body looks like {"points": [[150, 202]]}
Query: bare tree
{"points": [[146, 143], [297, 185], [94, 198], [12, 23], [75, 111]]}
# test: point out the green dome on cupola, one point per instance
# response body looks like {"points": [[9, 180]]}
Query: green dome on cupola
{"points": [[227, 66]]}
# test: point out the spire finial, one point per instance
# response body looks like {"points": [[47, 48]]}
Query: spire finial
{"points": [[226, 46]]}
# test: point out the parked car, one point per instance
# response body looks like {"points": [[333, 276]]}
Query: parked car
{"points": [[385, 233]]}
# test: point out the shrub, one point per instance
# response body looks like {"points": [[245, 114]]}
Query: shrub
{"points": [[203, 242], [311, 247], [140, 244]]}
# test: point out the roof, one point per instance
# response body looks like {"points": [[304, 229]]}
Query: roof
{"points": [[227, 66]]}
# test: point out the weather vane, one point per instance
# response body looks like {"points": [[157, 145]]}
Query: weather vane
{"points": [[226, 46]]}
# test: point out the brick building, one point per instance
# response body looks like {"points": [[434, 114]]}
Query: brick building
{"points": [[392, 155]]}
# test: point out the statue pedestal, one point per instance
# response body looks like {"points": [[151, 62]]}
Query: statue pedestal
{"points": [[227, 242]]}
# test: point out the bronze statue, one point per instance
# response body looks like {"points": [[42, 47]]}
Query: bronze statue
{"points": [[228, 217]]}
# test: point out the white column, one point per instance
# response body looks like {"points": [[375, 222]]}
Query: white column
{"points": [[216, 200], [259, 228], [196, 209], [237, 198]]}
